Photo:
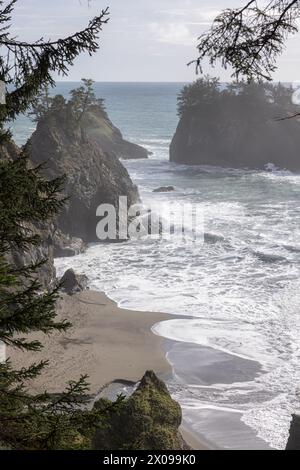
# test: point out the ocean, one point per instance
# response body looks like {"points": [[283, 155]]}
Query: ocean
{"points": [[234, 342]]}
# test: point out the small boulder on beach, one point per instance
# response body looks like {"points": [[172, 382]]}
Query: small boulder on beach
{"points": [[72, 283]]}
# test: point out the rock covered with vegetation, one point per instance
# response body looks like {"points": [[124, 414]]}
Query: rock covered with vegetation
{"points": [[89, 111], [238, 126], [148, 420], [98, 127], [65, 141]]}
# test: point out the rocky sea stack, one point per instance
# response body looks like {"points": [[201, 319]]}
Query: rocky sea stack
{"points": [[148, 420], [239, 126], [85, 148]]}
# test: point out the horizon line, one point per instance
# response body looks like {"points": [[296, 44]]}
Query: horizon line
{"points": [[120, 81]]}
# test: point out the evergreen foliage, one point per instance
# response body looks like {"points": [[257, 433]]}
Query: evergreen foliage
{"points": [[27, 202], [150, 417], [253, 96], [81, 100], [249, 39], [28, 67], [204, 89]]}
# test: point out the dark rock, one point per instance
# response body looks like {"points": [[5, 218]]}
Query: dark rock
{"points": [[148, 420], [164, 189], [66, 246], [239, 130], [89, 157], [294, 438], [41, 253], [72, 283], [93, 176]]}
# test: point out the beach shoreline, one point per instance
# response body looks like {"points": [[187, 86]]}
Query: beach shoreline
{"points": [[106, 342]]}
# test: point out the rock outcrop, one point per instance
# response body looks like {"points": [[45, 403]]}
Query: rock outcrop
{"points": [[164, 189], [65, 246], [294, 438], [72, 283], [148, 420], [87, 153], [94, 175], [99, 127], [237, 128], [41, 253]]}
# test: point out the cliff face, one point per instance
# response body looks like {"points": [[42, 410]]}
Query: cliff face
{"points": [[35, 254], [89, 157], [98, 127], [238, 132], [44, 252], [94, 176], [148, 420]]}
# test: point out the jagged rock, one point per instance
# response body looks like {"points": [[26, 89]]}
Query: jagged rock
{"points": [[99, 127], [43, 252], [66, 246], [93, 176], [148, 420], [35, 254], [164, 189], [72, 282], [294, 438]]}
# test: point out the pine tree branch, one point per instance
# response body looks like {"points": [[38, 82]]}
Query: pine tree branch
{"points": [[250, 39]]}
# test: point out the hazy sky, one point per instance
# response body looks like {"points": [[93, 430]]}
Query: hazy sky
{"points": [[145, 40]]}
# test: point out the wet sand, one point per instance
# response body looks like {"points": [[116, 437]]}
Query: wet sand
{"points": [[105, 342], [208, 368]]}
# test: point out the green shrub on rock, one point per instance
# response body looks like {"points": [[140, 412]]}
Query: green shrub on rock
{"points": [[148, 420]]}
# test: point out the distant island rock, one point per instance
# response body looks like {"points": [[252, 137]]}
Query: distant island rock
{"points": [[238, 126]]}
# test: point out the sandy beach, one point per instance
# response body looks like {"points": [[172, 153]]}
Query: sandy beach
{"points": [[105, 342]]}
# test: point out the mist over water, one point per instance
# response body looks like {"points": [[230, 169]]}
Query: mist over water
{"points": [[237, 294]]}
